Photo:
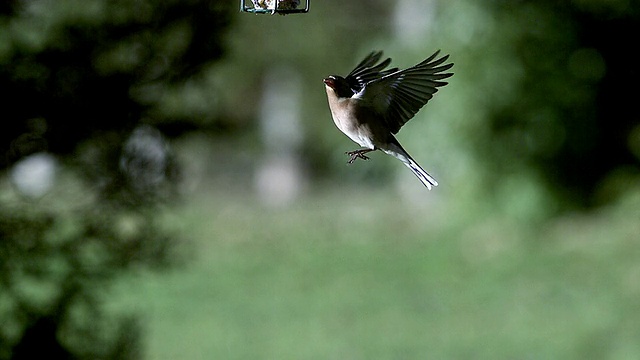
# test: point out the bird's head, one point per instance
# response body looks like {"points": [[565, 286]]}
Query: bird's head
{"points": [[339, 85]]}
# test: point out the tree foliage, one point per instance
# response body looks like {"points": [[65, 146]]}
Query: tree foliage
{"points": [[76, 79]]}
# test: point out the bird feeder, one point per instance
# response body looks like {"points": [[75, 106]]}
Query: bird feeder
{"points": [[282, 7]]}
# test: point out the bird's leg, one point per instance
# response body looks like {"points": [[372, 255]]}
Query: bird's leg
{"points": [[358, 154]]}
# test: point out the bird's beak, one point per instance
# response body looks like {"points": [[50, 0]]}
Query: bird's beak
{"points": [[330, 82]]}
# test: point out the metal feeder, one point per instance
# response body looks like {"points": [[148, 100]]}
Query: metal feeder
{"points": [[282, 7]]}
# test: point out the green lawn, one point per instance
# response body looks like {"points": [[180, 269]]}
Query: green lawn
{"points": [[358, 274]]}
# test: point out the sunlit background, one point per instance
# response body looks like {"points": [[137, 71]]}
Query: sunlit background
{"points": [[172, 185]]}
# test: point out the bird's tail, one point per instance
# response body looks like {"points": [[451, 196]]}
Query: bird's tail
{"points": [[398, 152]]}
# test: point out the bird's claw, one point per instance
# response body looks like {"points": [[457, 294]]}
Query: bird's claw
{"points": [[355, 154]]}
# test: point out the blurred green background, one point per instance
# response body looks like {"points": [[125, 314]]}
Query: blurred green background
{"points": [[172, 184]]}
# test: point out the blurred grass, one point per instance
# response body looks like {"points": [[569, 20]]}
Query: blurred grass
{"points": [[358, 274]]}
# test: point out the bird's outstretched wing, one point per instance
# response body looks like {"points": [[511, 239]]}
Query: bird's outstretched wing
{"points": [[366, 71], [398, 96]]}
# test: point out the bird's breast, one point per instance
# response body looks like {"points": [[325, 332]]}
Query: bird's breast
{"points": [[345, 116]]}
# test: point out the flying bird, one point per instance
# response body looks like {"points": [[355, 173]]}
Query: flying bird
{"points": [[371, 104]]}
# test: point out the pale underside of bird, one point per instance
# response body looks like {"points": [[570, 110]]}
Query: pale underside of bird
{"points": [[371, 104]]}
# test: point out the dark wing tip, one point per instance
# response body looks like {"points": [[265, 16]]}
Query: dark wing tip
{"points": [[370, 59]]}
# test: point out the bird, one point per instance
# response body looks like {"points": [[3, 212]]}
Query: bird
{"points": [[372, 103]]}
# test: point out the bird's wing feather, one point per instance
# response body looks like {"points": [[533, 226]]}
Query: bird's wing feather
{"points": [[398, 96], [366, 71]]}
